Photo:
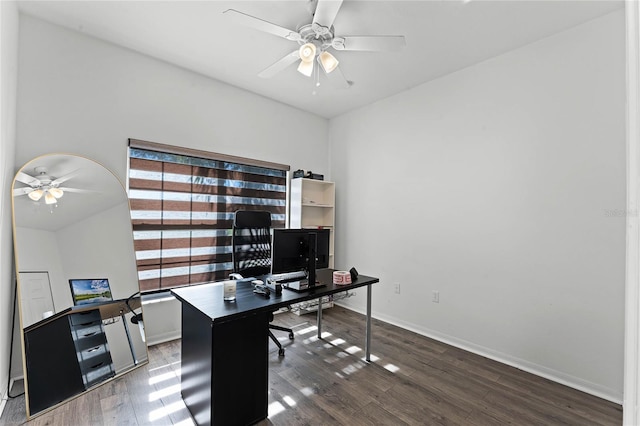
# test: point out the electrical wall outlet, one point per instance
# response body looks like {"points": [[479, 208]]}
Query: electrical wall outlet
{"points": [[396, 288], [436, 296]]}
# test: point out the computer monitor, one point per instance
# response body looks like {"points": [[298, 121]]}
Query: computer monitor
{"points": [[88, 291], [295, 250], [323, 242]]}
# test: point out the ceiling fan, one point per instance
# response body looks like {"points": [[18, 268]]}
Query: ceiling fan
{"points": [[44, 185], [315, 39]]}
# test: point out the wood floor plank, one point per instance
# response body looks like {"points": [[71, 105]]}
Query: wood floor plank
{"points": [[116, 408], [581, 404], [418, 404], [289, 405], [328, 391], [143, 403], [374, 414]]}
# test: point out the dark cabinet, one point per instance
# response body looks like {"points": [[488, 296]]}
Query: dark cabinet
{"points": [[65, 356], [91, 346], [47, 346]]}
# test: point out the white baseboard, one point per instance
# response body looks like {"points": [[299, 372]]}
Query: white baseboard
{"points": [[529, 367], [3, 403], [5, 396]]}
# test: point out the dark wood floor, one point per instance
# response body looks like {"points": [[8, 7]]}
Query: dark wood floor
{"points": [[412, 380]]}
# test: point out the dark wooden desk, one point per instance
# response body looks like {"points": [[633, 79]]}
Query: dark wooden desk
{"points": [[224, 370]]}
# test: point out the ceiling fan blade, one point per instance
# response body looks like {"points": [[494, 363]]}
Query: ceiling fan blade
{"points": [[280, 65], [337, 79], [64, 178], [28, 180], [261, 25], [22, 191], [78, 190], [326, 11], [369, 43]]}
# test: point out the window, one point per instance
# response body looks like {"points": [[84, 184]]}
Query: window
{"points": [[182, 206]]}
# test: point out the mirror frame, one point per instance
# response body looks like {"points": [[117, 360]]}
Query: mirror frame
{"points": [[109, 308]]}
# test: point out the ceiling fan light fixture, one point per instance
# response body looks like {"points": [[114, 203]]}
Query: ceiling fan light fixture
{"points": [[328, 61], [49, 198], [36, 195], [305, 68], [56, 192], [307, 52]]}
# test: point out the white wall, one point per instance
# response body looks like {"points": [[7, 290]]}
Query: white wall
{"points": [[83, 96], [502, 186], [8, 82], [38, 251], [106, 250]]}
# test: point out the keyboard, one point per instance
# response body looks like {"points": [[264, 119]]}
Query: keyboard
{"points": [[288, 277]]}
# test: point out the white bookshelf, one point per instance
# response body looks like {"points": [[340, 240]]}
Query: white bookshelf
{"points": [[312, 206]]}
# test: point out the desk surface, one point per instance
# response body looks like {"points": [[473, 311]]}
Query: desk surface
{"points": [[208, 298], [108, 310]]}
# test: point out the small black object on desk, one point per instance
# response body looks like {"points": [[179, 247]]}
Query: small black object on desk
{"points": [[261, 289]]}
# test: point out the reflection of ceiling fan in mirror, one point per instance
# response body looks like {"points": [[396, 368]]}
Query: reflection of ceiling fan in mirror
{"points": [[315, 40], [42, 185]]}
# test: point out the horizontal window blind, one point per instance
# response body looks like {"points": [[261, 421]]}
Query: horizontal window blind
{"points": [[182, 210]]}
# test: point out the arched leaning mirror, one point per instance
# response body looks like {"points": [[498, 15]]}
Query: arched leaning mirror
{"points": [[77, 280]]}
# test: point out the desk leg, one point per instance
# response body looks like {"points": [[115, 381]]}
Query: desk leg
{"points": [[126, 330], [367, 343], [319, 318]]}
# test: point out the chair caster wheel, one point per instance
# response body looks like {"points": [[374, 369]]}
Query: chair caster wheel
{"points": [[281, 352], [290, 336]]}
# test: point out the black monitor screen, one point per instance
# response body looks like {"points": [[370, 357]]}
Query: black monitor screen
{"points": [[290, 249], [87, 291], [322, 245]]}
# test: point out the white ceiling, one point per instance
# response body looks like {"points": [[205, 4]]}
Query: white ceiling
{"points": [[442, 36]]}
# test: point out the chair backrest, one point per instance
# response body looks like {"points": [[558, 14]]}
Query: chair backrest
{"points": [[251, 243]]}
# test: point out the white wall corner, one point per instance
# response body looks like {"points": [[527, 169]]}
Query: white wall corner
{"points": [[631, 399], [8, 106], [3, 401]]}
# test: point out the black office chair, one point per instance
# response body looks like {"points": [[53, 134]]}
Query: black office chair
{"points": [[251, 248]]}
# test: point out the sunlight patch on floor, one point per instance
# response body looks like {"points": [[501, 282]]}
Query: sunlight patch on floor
{"points": [[160, 413], [290, 401], [275, 408], [353, 349], [186, 422], [392, 368], [311, 339], [307, 391], [169, 390], [163, 366], [162, 377], [351, 368], [307, 330], [337, 342]]}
